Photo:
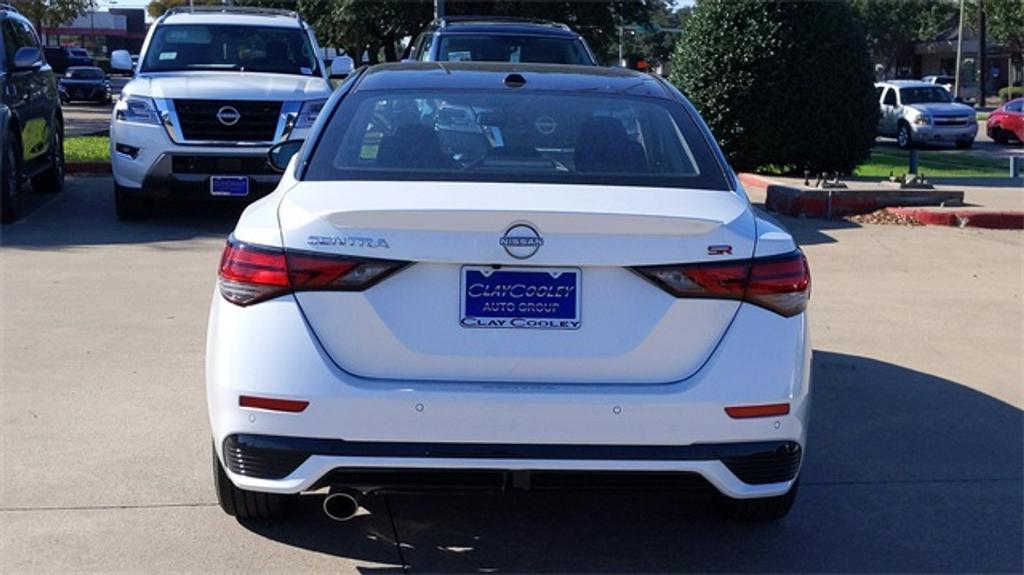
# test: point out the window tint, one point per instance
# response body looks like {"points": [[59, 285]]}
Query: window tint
{"points": [[508, 137], [84, 74], [925, 96], [1016, 106], [890, 97], [496, 48], [26, 37], [225, 47], [10, 40]]}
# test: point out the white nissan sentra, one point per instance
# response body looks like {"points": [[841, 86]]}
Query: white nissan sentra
{"points": [[507, 276]]}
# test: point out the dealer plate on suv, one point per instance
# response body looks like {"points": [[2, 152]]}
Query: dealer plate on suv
{"points": [[520, 298]]}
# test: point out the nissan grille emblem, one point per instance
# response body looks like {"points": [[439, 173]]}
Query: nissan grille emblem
{"points": [[521, 241], [228, 116]]}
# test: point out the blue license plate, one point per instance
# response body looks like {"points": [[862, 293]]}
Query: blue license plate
{"points": [[520, 298], [229, 186]]}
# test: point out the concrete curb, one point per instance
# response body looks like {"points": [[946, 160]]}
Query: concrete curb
{"points": [[82, 168], [994, 220]]}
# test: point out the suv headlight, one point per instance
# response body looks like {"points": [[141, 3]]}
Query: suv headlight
{"points": [[309, 112], [922, 120], [138, 109]]}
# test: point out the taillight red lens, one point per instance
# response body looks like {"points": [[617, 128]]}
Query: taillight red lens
{"points": [[779, 283], [250, 274]]}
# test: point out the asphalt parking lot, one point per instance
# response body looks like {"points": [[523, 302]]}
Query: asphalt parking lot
{"points": [[914, 462]]}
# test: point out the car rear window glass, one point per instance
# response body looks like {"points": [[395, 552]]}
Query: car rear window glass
{"points": [[508, 48], [1015, 106], [84, 74], [515, 137]]}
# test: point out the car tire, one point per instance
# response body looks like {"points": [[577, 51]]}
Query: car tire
{"points": [[758, 509], [998, 135], [10, 183], [52, 180], [130, 207], [904, 136], [244, 504], [964, 144]]}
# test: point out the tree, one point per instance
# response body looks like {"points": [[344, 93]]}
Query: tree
{"points": [[51, 13], [1006, 25], [893, 26], [781, 84]]}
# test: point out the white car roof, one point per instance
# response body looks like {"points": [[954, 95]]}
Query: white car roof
{"points": [[234, 19], [906, 84]]}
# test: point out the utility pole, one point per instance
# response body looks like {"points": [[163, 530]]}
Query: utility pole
{"points": [[959, 52], [438, 9], [982, 49]]}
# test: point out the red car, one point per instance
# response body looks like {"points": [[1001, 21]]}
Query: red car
{"points": [[1007, 122]]}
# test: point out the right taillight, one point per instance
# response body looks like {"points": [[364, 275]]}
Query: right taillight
{"points": [[250, 274], [779, 283]]}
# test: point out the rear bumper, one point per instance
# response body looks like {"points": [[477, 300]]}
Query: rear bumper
{"points": [[366, 424], [358, 464]]}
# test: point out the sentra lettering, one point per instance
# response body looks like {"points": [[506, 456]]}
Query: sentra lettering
{"points": [[348, 241]]}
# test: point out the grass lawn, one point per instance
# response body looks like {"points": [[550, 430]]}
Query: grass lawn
{"points": [[982, 116], [933, 165], [87, 149]]}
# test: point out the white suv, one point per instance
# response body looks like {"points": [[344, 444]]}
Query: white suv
{"points": [[213, 90]]}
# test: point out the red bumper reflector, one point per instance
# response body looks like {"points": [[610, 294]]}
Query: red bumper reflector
{"points": [[272, 404], [747, 411]]}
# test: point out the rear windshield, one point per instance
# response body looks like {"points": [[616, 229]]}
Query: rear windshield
{"points": [[225, 47], [515, 137], [502, 48], [84, 74]]}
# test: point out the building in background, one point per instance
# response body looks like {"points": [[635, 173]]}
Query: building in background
{"points": [[100, 33]]}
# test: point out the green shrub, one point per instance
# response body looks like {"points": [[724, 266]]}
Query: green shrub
{"points": [[1008, 93], [785, 84]]}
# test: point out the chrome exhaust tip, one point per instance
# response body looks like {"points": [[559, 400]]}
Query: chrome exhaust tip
{"points": [[341, 506]]}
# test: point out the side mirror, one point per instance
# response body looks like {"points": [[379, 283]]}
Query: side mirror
{"points": [[281, 153], [27, 58], [121, 60], [342, 66]]}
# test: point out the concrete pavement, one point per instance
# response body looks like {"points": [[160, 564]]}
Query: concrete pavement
{"points": [[914, 463]]}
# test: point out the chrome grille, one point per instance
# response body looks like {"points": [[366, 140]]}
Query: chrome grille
{"points": [[257, 121]]}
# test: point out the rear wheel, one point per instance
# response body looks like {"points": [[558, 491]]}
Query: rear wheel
{"points": [[998, 135], [904, 138], [52, 180], [245, 504], [759, 509], [10, 183], [129, 206]]}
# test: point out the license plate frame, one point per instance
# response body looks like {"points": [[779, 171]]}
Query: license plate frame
{"points": [[229, 186], [559, 308]]}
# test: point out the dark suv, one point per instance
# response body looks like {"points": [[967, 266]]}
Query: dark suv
{"points": [[31, 123], [489, 39], [61, 58]]}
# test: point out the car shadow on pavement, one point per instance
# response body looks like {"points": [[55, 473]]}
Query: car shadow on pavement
{"points": [[904, 472], [84, 215]]}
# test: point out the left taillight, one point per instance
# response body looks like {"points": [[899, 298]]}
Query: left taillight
{"points": [[250, 273]]}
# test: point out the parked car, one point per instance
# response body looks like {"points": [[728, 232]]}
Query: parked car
{"points": [[489, 39], [61, 58], [81, 83], [582, 295], [215, 88], [917, 112], [31, 124], [1007, 122], [947, 82]]}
